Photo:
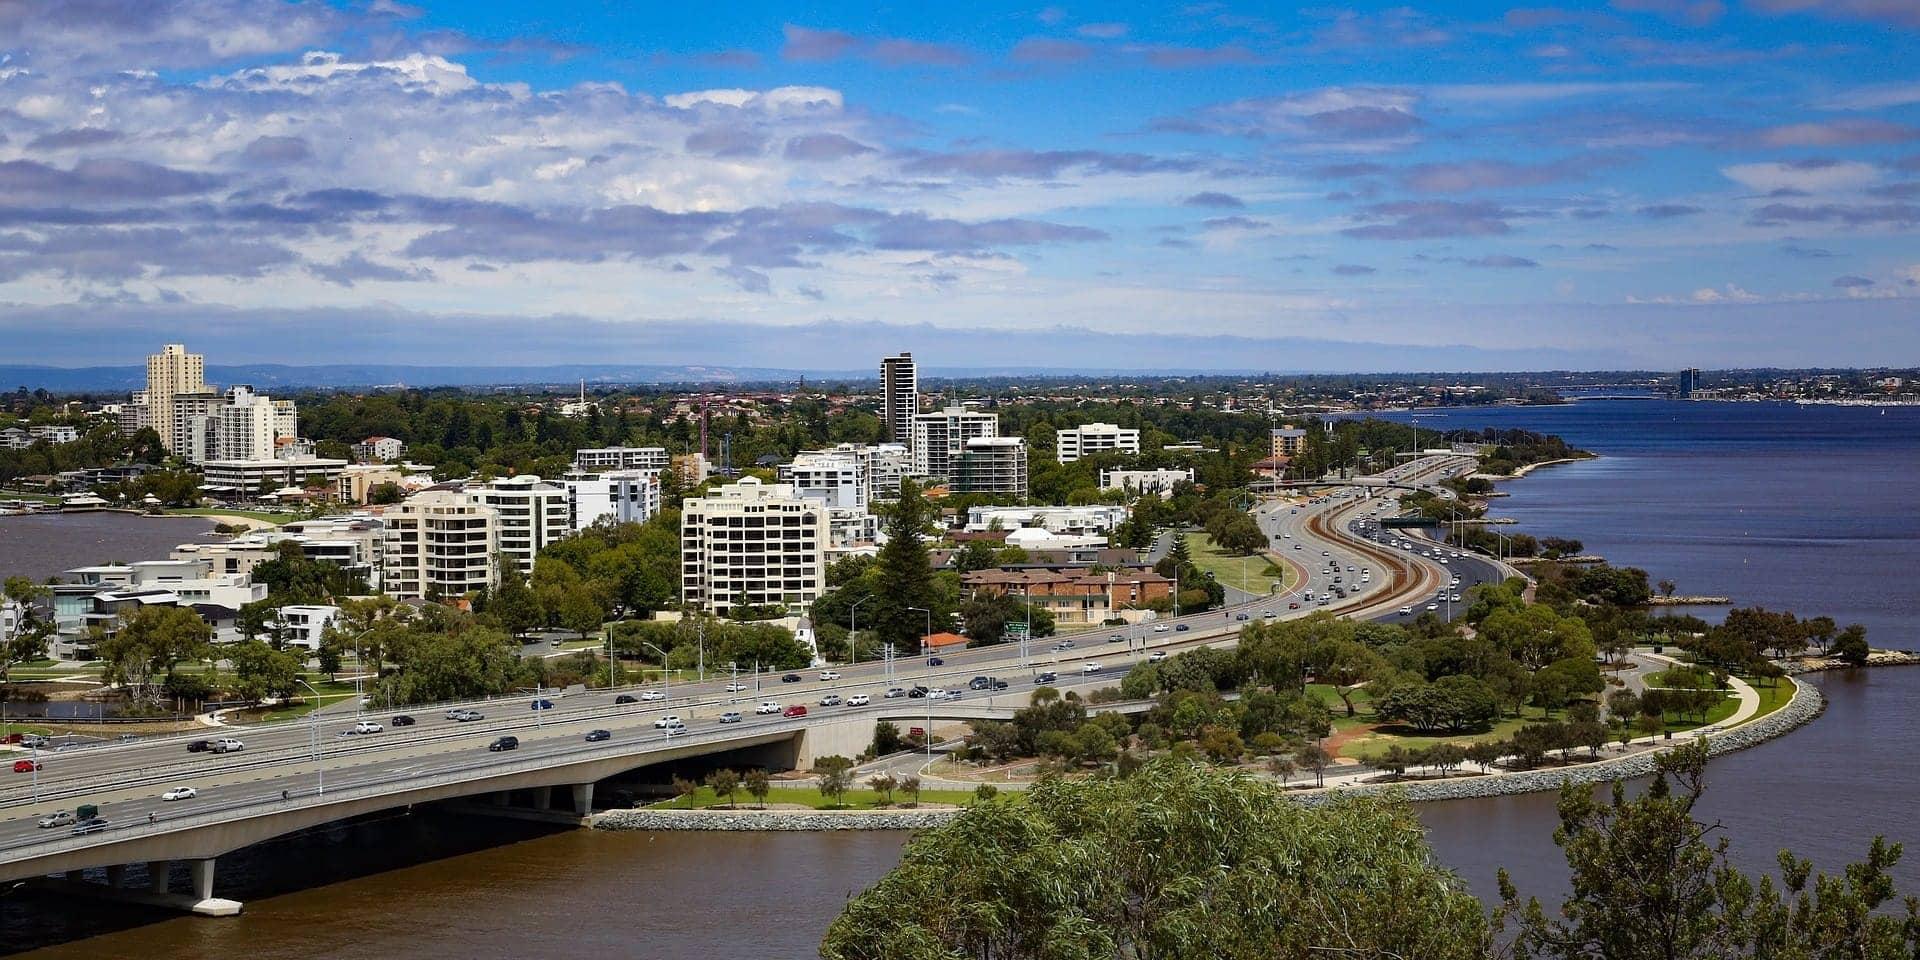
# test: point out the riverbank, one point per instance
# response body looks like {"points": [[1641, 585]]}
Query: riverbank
{"points": [[660, 821]]}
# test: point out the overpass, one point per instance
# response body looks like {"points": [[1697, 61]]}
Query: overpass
{"points": [[291, 777]]}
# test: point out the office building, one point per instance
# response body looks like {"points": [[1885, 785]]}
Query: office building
{"points": [[1288, 441], [941, 436], [1090, 438], [752, 543], [899, 397], [529, 513], [995, 465], [439, 543], [1158, 483], [1689, 381], [170, 373], [621, 458]]}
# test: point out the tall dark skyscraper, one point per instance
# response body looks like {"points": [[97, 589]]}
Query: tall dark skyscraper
{"points": [[899, 396], [1689, 381]]}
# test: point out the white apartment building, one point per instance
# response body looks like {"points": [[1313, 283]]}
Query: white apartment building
{"points": [[617, 496], [1143, 482], [254, 477], [940, 437], [529, 513], [596, 459], [305, 624], [752, 543], [245, 427], [996, 465], [191, 580], [1071, 521], [838, 480], [20, 438], [379, 450], [899, 397], [439, 543], [1090, 438], [353, 543]]}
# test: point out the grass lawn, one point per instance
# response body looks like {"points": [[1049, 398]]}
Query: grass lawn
{"points": [[1375, 744], [861, 799], [1324, 692], [331, 691], [1679, 677], [249, 514], [34, 497], [1227, 566]]}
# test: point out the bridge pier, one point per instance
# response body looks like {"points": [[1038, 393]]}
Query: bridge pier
{"points": [[117, 875], [583, 799], [155, 894], [157, 871], [543, 798], [201, 872]]}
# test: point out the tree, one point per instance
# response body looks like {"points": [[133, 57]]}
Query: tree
{"points": [[150, 641], [512, 602], [1174, 861], [903, 574], [758, 785], [1648, 885], [1347, 665], [260, 671], [836, 775], [684, 789], [1667, 587], [984, 793], [910, 785], [28, 641], [882, 786], [724, 783], [1312, 756], [1851, 645]]}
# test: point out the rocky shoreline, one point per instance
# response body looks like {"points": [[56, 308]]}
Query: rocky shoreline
{"points": [[1876, 658], [658, 821]]}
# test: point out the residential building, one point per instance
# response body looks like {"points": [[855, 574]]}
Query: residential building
{"points": [[20, 438], [170, 373], [303, 624], [941, 436], [752, 543], [354, 543], [996, 465], [379, 450], [1288, 441], [13, 619], [1088, 439], [529, 513], [899, 397], [252, 478], [1082, 520], [1146, 482], [838, 480], [131, 418], [692, 468], [438, 543], [246, 425], [1076, 596], [15, 438], [357, 482], [616, 496], [882, 464], [597, 459]]}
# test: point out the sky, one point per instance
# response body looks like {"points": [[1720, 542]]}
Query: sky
{"points": [[1364, 186]]}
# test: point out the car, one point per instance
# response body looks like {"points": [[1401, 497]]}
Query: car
{"points": [[466, 716], [831, 700], [1239, 616], [1270, 614], [1047, 677], [1089, 668], [767, 706], [1161, 628], [1291, 605], [997, 684], [894, 693], [31, 740], [650, 696], [1455, 598], [859, 700], [829, 674], [1181, 627], [454, 714], [501, 744], [794, 711], [58, 818], [27, 766], [666, 721], [1325, 553], [979, 683], [402, 720], [1156, 656], [625, 698], [199, 746], [730, 716], [936, 662], [227, 745], [1296, 546], [90, 825], [736, 686], [677, 730], [180, 793], [367, 726], [1406, 610], [916, 693], [790, 678], [1433, 606], [595, 736]]}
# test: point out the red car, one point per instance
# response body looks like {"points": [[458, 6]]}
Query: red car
{"points": [[794, 711], [26, 766], [1294, 605]]}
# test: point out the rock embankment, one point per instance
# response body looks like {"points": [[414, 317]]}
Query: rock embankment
{"points": [[1876, 658], [1686, 601], [659, 821]]}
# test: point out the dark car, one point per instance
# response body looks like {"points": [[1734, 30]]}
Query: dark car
{"points": [[1116, 638], [936, 662], [1048, 677], [1180, 627], [790, 678], [504, 743], [999, 684], [595, 736], [979, 683], [89, 825], [916, 693], [402, 720], [1239, 616], [199, 746], [541, 705], [625, 698]]}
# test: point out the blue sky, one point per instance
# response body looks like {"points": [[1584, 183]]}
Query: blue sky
{"points": [[1598, 184]]}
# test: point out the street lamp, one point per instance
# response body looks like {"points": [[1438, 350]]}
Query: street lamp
{"points": [[319, 770], [668, 674], [853, 630], [929, 634]]}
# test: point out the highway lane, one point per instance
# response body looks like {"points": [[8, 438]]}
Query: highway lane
{"points": [[281, 754]]}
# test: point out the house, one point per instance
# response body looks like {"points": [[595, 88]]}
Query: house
{"points": [[942, 641], [1075, 595]]}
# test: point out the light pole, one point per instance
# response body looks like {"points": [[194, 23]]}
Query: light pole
{"points": [[668, 674], [319, 770], [853, 630], [929, 634]]}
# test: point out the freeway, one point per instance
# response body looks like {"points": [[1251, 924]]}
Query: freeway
{"points": [[126, 779]]}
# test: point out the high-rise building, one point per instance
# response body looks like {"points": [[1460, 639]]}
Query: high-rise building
{"points": [[838, 480], [899, 396], [172, 372], [617, 496], [941, 436], [995, 465], [1689, 381], [621, 458], [529, 513], [439, 543], [752, 543], [1090, 438], [1288, 441]]}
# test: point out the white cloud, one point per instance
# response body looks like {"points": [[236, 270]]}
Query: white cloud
{"points": [[1824, 176], [431, 74]]}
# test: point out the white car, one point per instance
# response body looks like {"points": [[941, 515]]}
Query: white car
{"points": [[367, 726], [1433, 606], [1161, 628], [1089, 668], [767, 706], [180, 793], [652, 695], [829, 675], [226, 745], [1455, 598], [858, 700], [1156, 656], [668, 721], [1405, 610], [736, 687]]}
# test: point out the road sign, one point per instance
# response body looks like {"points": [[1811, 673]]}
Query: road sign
{"points": [[1017, 631]]}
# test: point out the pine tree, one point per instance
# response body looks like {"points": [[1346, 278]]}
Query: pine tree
{"points": [[904, 573]]}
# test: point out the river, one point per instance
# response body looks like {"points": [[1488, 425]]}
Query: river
{"points": [[1804, 508], [41, 545]]}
